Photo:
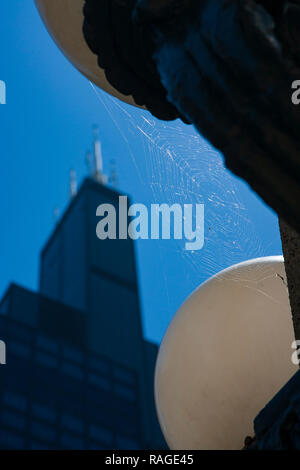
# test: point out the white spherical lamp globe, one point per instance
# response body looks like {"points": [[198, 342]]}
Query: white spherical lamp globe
{"points": [[226, 353]]}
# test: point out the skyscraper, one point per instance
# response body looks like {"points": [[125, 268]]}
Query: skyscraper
{"points": [[79, 373]]}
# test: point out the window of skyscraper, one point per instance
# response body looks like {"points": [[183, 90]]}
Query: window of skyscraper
{"points": [[99, 364], [20, 332], [100, 433], [124, 375], [43, 412], [19, 349], [35, 445], [125, 392], [72, 423], [10, 440], [99, 381], [4, 307], [126, 443], [47, 344], [42, 431], [68, 441], [97, 446], [71, 369], [14, 420], [127, 420], [72, 354], [46, 359], [15, 400]]}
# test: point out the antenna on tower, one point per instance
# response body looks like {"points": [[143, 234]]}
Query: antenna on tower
{"points": [[97, 153], [89, 162], [56, 214], [98, 161], [73, 184], [113, 178]]}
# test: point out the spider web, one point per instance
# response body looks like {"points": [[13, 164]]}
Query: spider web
{"points": [[174, 164]]}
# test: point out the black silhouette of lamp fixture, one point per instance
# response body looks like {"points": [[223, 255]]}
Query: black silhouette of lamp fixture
{"points": [[101, 40]]}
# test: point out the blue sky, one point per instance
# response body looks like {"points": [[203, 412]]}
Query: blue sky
{"points": [[45, 130]]}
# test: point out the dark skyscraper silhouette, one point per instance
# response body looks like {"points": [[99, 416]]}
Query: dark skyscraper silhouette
{"points": [[79, 374]]}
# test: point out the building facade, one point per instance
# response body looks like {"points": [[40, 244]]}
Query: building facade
{"points": [[79, 373]]}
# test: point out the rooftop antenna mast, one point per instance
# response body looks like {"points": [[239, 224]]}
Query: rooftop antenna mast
{"points": [[73, 184], [89, 162], [113, 178], [98, 161], [56, 214]]}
